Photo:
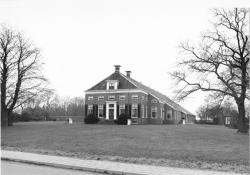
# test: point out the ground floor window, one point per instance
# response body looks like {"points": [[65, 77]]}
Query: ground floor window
{"points": [[162, 113], [134, 112], [153, 112], [121, 109], [100, 111], [142, 111], [90, 109]]}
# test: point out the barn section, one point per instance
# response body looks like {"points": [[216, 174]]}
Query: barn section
{"points": [[119, 93]]}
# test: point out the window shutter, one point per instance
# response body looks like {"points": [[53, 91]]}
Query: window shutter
{"points": [[86, 110], [139, 111], [95, 110], [104, 111], [117, 111], [126, 110], [129, 110]]}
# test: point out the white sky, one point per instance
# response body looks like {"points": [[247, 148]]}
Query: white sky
{"points": [[82, 40]]}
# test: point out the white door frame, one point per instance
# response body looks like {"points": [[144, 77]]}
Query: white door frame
{"points": [[107, 109]]}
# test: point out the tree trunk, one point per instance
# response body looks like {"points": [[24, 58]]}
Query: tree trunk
{"points": [[4, 117], [242, 125]]}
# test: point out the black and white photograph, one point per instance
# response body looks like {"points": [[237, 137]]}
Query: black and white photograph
{"points": [[135, 87]]}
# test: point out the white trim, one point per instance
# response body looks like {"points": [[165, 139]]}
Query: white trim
{"points": [[155, 110], [107, 109], [98, 111], [115, 91]]}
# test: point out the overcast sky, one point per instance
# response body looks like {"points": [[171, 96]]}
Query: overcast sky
{"points": [[82, 40]]}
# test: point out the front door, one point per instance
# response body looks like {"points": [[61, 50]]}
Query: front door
{"points": [[111, 111], [111, 114]]}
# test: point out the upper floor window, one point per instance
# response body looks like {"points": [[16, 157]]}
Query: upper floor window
{"points": [[154, 101], [142, 98], [135, 97], [122, 97], [111, 97], [90, 97], [112, 84], [101, 98]]}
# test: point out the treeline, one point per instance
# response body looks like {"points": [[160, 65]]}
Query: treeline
{"points": [[48, 107]]}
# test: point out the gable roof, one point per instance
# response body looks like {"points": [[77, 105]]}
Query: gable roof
{"points": [[124, 83], [161, 97]]}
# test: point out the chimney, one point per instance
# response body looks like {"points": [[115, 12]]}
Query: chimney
{"points": [[128, 73], [117, 68]]}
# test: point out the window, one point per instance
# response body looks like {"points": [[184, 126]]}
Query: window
{"points": [[112, 97], [135, 97], [112, 84], [154, 101], [142, 111], [142, 97], [134, 112], [101, 98], [162, 113], [111, 105], [153, 112], [122, 97], [90, 97], [90, 109], [121, 109], [100, 111]]}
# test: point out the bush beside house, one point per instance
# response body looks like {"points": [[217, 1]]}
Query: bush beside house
{"points": [[91, 119], [122, 119]]}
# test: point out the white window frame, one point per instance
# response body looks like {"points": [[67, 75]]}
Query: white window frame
{"points": [[154, 101], [142, 111], [90, 107], [121, 106], [114, 82], [134, 97], [100, 98], [134, 106], [122, 97], [90, 98], [111, 97], [162, 111], [154, 109], [100, 107]]}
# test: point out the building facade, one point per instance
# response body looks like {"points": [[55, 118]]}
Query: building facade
{"points": [[119, 93]]}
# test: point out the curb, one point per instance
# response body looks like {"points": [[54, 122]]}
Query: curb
{"points": [[79, 168]]}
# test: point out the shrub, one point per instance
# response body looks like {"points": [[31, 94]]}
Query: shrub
{"points": [[91, 119], [122, 119]]}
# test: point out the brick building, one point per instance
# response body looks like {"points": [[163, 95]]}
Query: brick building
{"points": [[119, 93]]}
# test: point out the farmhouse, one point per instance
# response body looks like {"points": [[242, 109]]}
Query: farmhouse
{"points": [[119, 93]]}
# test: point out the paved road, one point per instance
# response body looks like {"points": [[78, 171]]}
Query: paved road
{"points": [[17, 168]]}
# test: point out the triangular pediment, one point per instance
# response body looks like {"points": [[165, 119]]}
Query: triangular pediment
{"points": [[123, 83]]}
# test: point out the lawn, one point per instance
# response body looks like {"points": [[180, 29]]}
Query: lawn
{"points": [[198, 146]]}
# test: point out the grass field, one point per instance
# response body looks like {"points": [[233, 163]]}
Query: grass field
{"points": [[165, 144]]}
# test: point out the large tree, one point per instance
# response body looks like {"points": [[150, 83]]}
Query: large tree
{"points": [[219, 63], [20, 69]]}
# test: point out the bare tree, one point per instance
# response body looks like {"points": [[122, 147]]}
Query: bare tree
{"points": [[20, 68], [219, 63]]}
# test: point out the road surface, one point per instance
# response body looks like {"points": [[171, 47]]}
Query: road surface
{"points": [[17, 168]]}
